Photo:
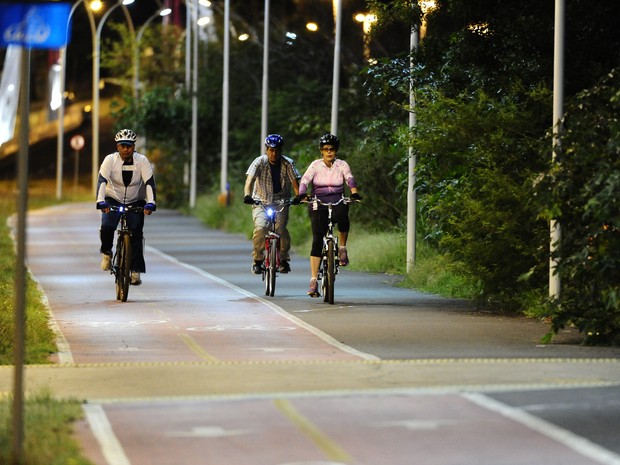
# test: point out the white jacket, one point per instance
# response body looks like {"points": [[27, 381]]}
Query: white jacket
{"points": [[110, 183]]}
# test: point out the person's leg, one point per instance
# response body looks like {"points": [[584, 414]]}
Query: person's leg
{"points": [[135, 222], [109, 221], [318, 222], [282, 231], [258, 235], [341, 217]]}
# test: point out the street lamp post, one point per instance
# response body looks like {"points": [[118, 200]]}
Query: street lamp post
{"points": [[61, 108], [96, 77], [337, 5], [265, 102], [136, 64], [417, 33]]}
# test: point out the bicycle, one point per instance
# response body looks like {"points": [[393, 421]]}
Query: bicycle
{"points": [[330, 263], [121, 263], [271, 258]]}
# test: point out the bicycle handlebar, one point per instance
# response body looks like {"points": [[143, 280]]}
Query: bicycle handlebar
{"points": [[345, 200], [126, 208]]}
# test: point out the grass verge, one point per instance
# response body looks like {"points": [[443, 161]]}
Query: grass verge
{"points": [[48, 422], [48, 431], [40, 340]]}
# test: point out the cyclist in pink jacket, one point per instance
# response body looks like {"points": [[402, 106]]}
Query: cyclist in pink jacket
{"points": [[328, 175]]}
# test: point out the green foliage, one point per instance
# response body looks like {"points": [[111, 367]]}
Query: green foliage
{"points": [[167, 144], [581, 192]]}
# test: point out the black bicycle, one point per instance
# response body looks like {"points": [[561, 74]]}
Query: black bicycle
{"points": [[121, 263], [271, 258], [328, 269]]}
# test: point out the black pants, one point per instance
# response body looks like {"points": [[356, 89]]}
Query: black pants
{"points": [[319, 223], [135, 223]]}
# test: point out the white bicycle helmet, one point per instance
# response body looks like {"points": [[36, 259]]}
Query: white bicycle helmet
{"points": [[125, 135]]}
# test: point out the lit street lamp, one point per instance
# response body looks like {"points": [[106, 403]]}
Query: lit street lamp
{"points": [[96, 77], [367, 20]]}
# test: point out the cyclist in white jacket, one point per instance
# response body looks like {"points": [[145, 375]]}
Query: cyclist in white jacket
{"points": [[125, 178]]}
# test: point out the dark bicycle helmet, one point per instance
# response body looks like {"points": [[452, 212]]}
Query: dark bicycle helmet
{"points": [[329, 139], [125, 135], [274, 141]]}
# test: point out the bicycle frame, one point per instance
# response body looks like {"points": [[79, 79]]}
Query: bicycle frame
{"points": [[121, 262], [271, 258], [330, 263]]}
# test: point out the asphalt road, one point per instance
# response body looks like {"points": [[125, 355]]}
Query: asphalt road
{"points": [[198, 367]]}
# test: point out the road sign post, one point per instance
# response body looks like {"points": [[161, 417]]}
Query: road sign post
{"points": [[28, 25], [77, 144]]}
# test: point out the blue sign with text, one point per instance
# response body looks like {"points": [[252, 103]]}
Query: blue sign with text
{"points": [[36, 25]]}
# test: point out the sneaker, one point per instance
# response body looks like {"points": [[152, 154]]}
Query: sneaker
{"points": [[135, 278], [106, 261], [313, 290], [257, 267], [343, 258], [284, 266]]}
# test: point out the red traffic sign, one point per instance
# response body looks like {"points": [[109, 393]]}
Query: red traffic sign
{"points": [[77, 142]]}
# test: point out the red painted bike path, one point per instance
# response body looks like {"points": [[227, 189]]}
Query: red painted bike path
{"points": [[193, 370]]}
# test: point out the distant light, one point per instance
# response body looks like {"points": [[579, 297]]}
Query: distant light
{"points": [[291, 35], [204, 20], [243, 37], [312, 27], [96, 5], [128, 2], [165, 12], [360, 17], [206, 3]]}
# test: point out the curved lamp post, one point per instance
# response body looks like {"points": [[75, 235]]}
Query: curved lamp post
{"points": [[96, 77], [136, 64], [61, 108]]}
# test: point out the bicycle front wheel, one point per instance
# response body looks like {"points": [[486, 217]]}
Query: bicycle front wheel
{"points": [[123, 267], [272, 268], [329, 275]]}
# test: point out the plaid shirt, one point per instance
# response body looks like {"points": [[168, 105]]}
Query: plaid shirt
{"points": [[263, 185]]}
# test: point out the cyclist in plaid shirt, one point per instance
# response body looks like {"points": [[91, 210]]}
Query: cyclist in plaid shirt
{"points": [[270, 178]]}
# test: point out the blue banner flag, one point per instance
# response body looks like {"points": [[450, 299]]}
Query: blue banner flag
{"points": [[36, 25]]}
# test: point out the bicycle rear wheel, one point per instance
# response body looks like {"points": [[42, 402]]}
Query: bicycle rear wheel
{"points": [[272, 268], [123, 267]]}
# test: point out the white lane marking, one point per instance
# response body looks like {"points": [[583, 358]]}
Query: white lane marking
{"points": [[110, 446], [211, 432], [416, 425], [103, 324], [280, 311], [241, 328], [577, 443]]}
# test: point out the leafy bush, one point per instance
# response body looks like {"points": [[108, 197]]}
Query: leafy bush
{"points": [[582, 194]]}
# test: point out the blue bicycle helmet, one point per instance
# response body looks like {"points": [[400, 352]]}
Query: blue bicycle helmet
{"points": [[274, 141], [329, 139]]}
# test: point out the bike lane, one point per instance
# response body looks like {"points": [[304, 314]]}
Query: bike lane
{"points": [[286, 394]]}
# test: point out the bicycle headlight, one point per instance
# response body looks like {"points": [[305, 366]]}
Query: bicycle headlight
{"points": [[270, 212]]}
